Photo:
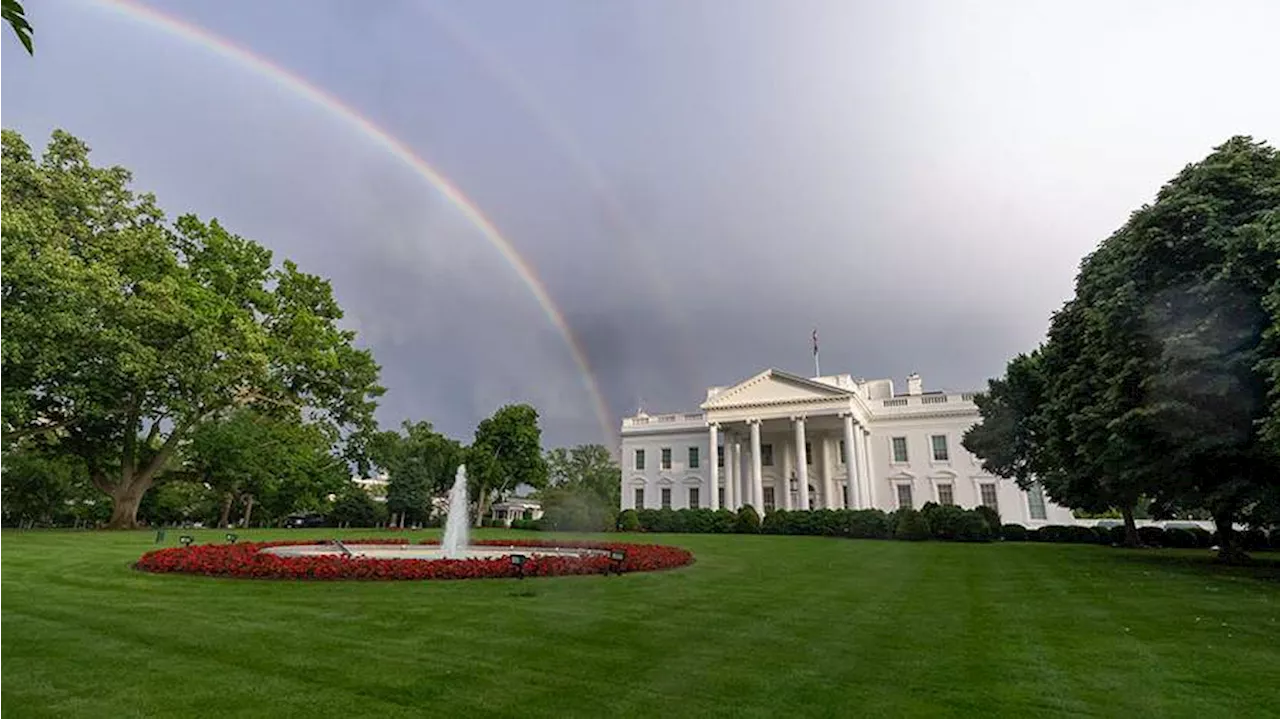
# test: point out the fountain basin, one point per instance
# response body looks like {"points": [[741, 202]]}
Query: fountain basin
{"points": [[425, 551]]}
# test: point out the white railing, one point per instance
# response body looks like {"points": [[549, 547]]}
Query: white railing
{"points": [[662, 419], [900, 402], [928, 399], [933, 399]]}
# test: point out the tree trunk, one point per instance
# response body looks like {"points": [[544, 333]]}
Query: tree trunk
{"points": [[226, 511], [125, 499], [1228, 551], [248, 510], [1131, 538]]}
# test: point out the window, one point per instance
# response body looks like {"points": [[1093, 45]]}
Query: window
{"points": [[808, 453], [639, 459], [721, 496], [1035, 502], [844, 491], [766, 455], [666, 458], [693, 498], [988, 491], [693, 458], [939, 442], [639, 498], [945, 494], [900, 449], [904, 496], [720, 456], [840, 459], [666, 498], [769, 503]]}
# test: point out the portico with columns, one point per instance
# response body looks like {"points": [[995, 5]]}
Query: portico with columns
{"points": [[780, 441]]}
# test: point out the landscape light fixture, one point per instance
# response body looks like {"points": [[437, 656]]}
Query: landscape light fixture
{"points": [[616, 558], [186, 540], [517, 561], [231, 538], [159, 535]]}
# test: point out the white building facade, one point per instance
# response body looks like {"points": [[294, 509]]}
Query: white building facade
{"points": [[848, 443]]}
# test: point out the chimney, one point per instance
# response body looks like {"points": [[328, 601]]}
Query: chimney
{"points": [[914, 384]]}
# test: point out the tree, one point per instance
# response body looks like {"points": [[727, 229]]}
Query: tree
{"points": [[16, 16], [583, 489], [505, 453], [355, 508], [420, 464], [126, 334]]}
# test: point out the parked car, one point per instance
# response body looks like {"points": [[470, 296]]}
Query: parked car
{"points": [[301, 521]]}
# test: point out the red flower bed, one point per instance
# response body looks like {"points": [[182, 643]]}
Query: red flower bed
{"points": [[247, 561]]}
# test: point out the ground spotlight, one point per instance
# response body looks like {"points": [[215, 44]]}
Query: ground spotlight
{"points": [[517, 560], [231, 538], [616, 557], [186, 540]]}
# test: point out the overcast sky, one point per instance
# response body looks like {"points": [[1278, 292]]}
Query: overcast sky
{"points": [[698, 184]]}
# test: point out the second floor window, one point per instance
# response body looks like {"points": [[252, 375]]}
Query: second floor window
{"points": [[666, 458], [639, 459], [940, 453], [693, 458], [808, 453], [766, 455], [900, 449]]}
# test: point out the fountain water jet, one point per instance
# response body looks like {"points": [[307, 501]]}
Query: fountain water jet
{"points": [[457, 525]]}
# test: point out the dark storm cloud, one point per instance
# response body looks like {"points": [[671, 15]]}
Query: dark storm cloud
{"points": [[697, 185]]}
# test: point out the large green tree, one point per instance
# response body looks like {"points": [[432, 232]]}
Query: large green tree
{"points": [[124, 334], [1160, 377], [505, 453], [420, 464], [583, 489], [16, 16]]}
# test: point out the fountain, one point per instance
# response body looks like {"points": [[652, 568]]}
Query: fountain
{"points": [[457, 524]]}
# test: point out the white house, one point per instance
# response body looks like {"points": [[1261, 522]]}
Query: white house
{"points": [[759, 441]]}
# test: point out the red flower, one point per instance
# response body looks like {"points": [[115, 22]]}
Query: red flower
{"points": [[246, 560]]}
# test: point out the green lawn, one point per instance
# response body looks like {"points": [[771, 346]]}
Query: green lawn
{"points": [[758, 626]]}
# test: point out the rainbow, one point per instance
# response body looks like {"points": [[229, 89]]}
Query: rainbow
{"points": [[302, 88]]}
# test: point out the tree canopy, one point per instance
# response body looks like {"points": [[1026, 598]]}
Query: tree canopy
{"points": [[420, 464], [1160, 377], [505, 453], [126, 333]]}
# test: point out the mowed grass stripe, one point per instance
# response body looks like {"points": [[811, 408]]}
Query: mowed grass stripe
{"points": [[758, 626]]}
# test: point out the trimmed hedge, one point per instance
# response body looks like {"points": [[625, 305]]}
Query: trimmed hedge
{"points": [[1014, 533], [1152, 536]]}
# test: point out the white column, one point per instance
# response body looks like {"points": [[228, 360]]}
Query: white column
{"points": [[868, 476], [728, 470], [757, 472], [802, 464], [851, 463], [828, 493], [713, 440], [739, 476], [788, 469]]}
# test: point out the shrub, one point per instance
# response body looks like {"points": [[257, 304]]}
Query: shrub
{"points": [[910, 525], [1014, 533], [1151, 536], [491, 522], [1115, 535], [1180, 538], [1055, 533], [648, 519], [972, 527], [1204, 538], [989, 514], [943, 520], [723, 521], [1101, 535], [628, 521], [775, 522], [1076, 534], [748, 521], [1253, 540], [866, 524]]}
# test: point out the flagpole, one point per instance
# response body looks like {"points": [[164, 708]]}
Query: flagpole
{"points": [[817, 370]]}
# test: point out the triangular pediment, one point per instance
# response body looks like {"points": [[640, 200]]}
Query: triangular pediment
{"points": [[774, 387]]}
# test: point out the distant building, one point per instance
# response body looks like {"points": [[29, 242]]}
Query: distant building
{"points": [[515, 508], [375, 486], [780, 441]]}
